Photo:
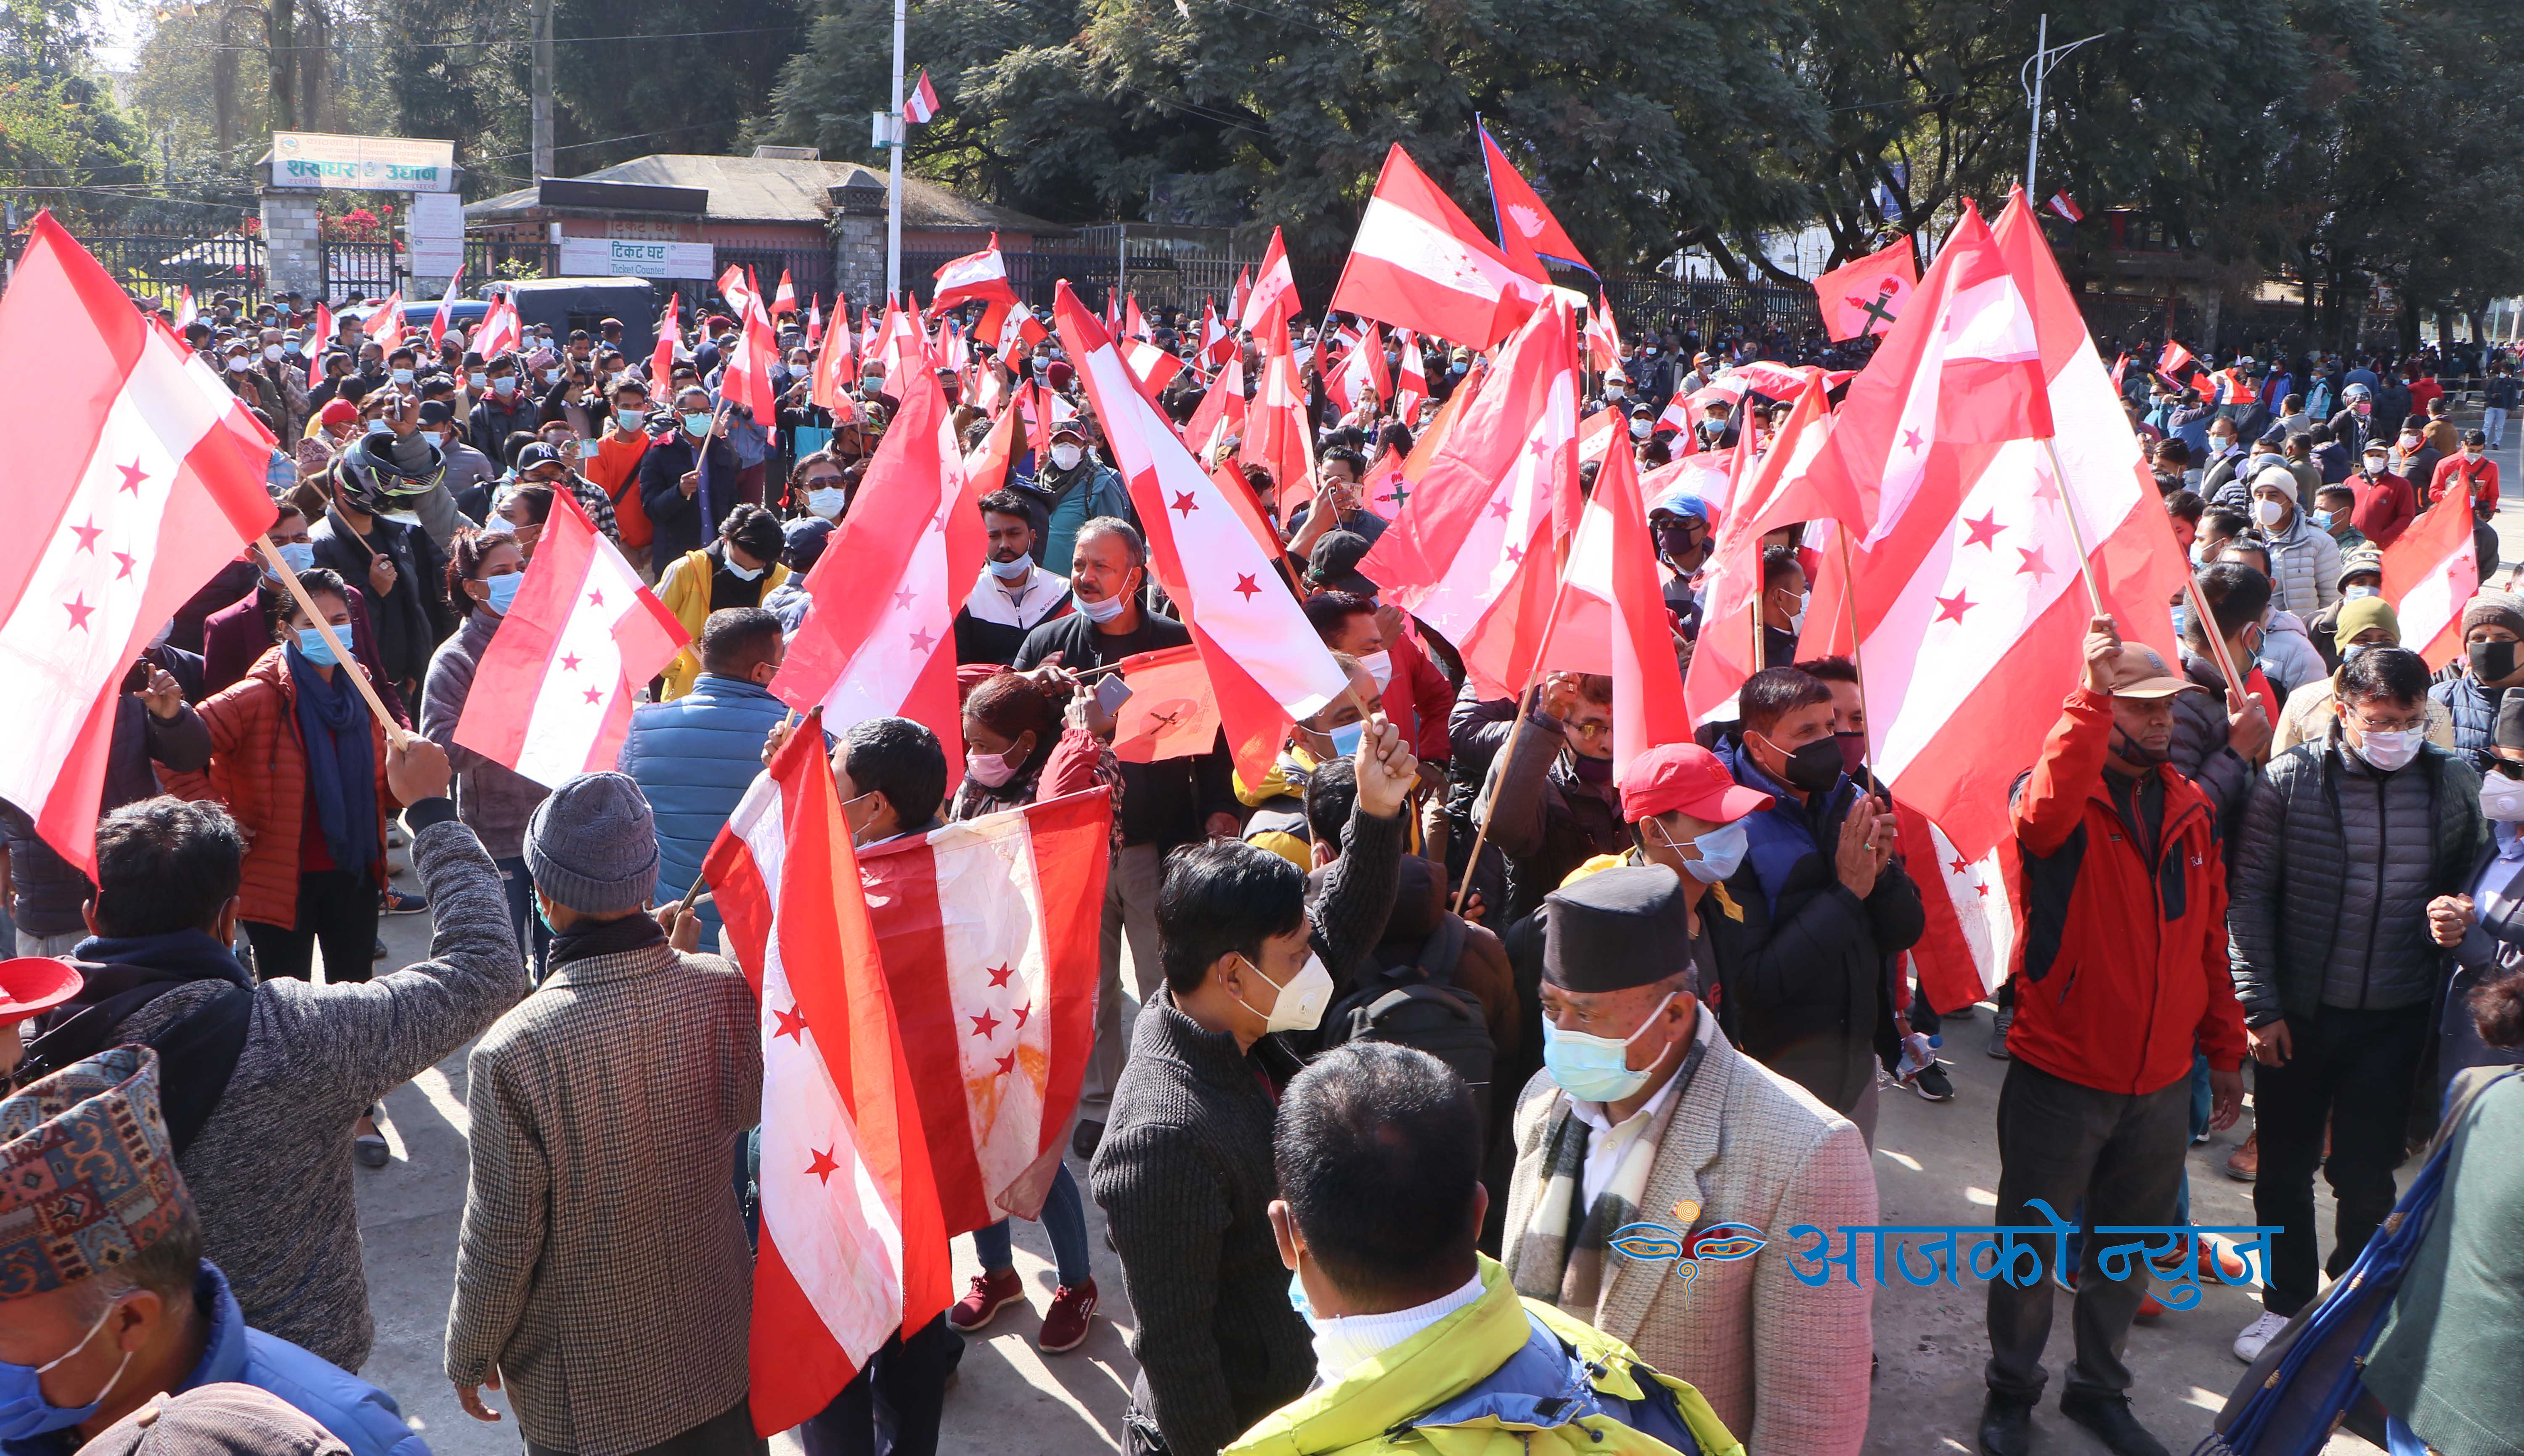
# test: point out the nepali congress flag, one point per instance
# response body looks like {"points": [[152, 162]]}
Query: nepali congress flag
{"points": [[319, 339], [2064, 206], [1865, 297], [2173, 360], [988, 932], [2430, 572], [983, 275], [1969, 941], [1273, 294], [553, 695], [662, 359], [390, 330], [439, 323], [853, 1242], [879, 636], [500, 330], [1268, 667], [920, 102], [1418, 262], [135, 475]]}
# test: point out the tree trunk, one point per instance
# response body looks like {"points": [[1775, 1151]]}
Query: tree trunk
{"points": [[314, 58], [279, 26]]}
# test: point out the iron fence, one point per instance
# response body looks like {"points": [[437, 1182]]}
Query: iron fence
{"points": [[159, 264], [365, 269]]}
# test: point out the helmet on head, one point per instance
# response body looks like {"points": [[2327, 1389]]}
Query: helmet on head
{"points": [[374, 484], [2357, 391]]}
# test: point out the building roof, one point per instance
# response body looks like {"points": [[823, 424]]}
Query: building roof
{"points": [[769, 189]]}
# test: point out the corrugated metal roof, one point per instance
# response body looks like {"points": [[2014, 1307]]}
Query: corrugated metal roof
{"points": [[766, 189]]}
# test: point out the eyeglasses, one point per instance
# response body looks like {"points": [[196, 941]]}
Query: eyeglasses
{"points": [[820, 482], [1586, 730]]}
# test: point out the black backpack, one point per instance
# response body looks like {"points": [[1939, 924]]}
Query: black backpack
{"points": [[1419, 1006]]}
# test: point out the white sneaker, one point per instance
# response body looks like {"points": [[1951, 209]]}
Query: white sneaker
{"points": [[2256, 1337]]}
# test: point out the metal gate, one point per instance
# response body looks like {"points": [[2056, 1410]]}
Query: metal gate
{"points": [[365, 269], [160, 265]]}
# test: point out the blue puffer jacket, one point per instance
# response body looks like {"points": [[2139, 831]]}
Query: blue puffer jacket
{"points": [[694, 757], [361, 1416]]}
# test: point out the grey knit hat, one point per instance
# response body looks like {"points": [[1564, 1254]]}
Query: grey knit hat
{"points": [[591, 845], [2495, 608]]}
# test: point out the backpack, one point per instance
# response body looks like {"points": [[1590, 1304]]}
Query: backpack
{"points": [[1418, 1005]]}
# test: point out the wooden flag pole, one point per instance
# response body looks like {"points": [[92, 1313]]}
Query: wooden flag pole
{"points": [[396, 734], [1857, 654], [2076, 535], [1507, 750]]}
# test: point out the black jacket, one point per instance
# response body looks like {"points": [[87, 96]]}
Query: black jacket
{"points": [[1544, 819], [2201, 752], [492, 422], [1167, 802], [674, 517], [411, 619], [50, 890]]}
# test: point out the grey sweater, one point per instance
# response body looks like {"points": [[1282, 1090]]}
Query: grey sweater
{"points": [[1184, 1175], [495, 801], [271, 1172]]}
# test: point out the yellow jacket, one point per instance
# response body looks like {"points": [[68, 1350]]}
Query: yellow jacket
{"points": [[685, 591]]}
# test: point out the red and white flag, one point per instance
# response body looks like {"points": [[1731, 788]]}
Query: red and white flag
{"points": [[662, 359], [556, 687], [1219, 414], [1152, 366], [2064, 206], [1969, 607], [1603, 336], [2431, 572], [986, 468], [2120, 367], [784, 299], [837, 370], [1011, 328], [1267, 666], [1217, 345], [1133, 326], [988, 932], [983, 275], [920, 101], [1648, 678], [878, 635], [1969, 941], [1411, 381], [1360, 374], [1273, 292], [1507, 468], [318, 339], [500, 330], [1866, 296], [2173, 360], [445, 318], [186, 311], [134, 477], [1172, 711], [853, 1242], [815, 322], [1278, 436], [1759, 497], [1419, 262], [1960, 367], [390, 328], [1526, 227], [745, 378], [1387, 489]]}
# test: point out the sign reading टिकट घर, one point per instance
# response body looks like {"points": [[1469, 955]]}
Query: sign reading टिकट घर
{"points": [[368, 164], [634, 258]]}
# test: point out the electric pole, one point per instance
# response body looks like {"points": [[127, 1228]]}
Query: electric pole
{"points": [[542, 88]]}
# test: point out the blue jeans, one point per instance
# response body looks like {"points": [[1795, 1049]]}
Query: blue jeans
{"points": [[1064, 1218]]}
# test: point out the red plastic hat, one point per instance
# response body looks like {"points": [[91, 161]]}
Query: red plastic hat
{"points": [[1689, 777], [32, 985]]}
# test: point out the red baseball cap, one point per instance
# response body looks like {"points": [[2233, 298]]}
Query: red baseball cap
{"points": [[32, 985], [1689, 777]]}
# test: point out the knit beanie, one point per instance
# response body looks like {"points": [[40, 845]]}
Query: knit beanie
{"points": [[2495, 608], [2365, 614], [591, 845]]}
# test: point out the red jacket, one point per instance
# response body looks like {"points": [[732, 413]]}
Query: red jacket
{"points": [[1417, 699], [2385, 507], [2122, 967], [2475, 478]]}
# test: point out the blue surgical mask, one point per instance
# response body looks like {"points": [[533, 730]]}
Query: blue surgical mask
{"points": [[1721, 851], [317, 651], [25, 1414], [696, 425], [505, 384], [300, 554], [2322, 521], [1596, 1069], [1345, 739], [631, 420], [504, 589], [1298, 1301], [1106, 609]]}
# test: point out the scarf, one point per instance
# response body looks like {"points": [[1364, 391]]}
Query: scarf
{"points": [[1562, 1258], [616, 936], [341, 762]]}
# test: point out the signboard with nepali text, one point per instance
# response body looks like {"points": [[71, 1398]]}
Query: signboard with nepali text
{"points": [[367, 164], [634, 258]]}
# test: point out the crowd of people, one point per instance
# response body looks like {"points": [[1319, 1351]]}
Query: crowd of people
{"points": [[1418, 1027]]}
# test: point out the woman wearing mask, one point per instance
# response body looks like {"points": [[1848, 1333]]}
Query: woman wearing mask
{"points": [[236, 635], [818, 488], [737, 569], [1017, 753], [483, 575]]}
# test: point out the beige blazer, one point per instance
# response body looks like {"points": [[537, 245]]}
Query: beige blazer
{"points": [[1784, 1366]]}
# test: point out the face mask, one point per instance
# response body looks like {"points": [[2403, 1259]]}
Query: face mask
{"points": [[2270, 512], [631, 421], [271, 351], [1065, 457], [1813, 768], [238, 364], [25, 1414], [1721, 851], [2501, 799], [1596, 1069], [990, 770], [1298, 1301], [1016, 571], [1345, 741], [1613, 391], [551, 376], [1640, 427], [403, 376], [2354, 593], [1380, 668], [1106, 609], [827, 502], [317, 651], [743, 573], [290, 348], [504, 589], [696, 425], [2222, 443], [1301, 1003], [2491, 660], [300, 554], [505, 384], [2389, 751], [2322, 521]]}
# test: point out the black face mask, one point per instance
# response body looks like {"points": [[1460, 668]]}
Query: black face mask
{"points": [[1813, 767], [1591, 770], [2491, 660]]}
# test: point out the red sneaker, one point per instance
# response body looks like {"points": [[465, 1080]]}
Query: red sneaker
{"points": [[1064, 1325], [982, 1302]]}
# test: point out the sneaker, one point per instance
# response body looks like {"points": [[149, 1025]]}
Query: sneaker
{"points": [[1997, 1031], [2244, 1164], [2006, 1425], [982, 1303], [1064, 1325], [1932, 1084], [2256, 1337], [396, 902], [378, 951], [2109, 1418]]}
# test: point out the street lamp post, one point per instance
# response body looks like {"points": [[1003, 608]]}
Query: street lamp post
{"points": [[2030, 77]]}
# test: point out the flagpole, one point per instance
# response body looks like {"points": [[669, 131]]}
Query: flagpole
{"points": [[894, 176], [2076, 536], [1857, 654], [396, 734], [1507, 750]]}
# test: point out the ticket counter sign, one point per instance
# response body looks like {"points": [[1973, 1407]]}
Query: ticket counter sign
{"points": [[367, 164]]}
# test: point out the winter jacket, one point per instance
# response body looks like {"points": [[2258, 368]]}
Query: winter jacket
{"points": [[2385, 507], [492, 422], [258, 768], [1801, 981], [235, 638], [1499, 1377], [2310, 711], [50, 890], [694, 758], [2289, 658], [410, 620], [2474, 709], [2201, 751], [495, 800], [1070, 499], [2122, 965], [1545, 819], [2333, 878], [2305, 569], [1418, 699], [675, 522], [684, 590], [2462, 475]]}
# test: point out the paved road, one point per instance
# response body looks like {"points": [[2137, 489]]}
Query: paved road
{"points": [[1936, 1163]]}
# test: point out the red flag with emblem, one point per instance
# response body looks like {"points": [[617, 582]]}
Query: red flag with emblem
{"points": [[1866, 296]]}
